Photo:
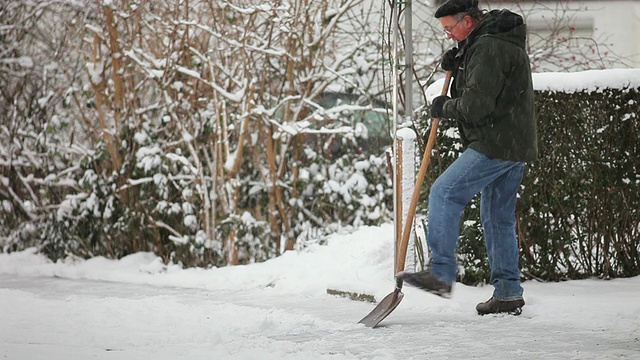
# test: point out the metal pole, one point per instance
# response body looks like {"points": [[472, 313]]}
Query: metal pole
{"points": [[408, 62], [394, 103], [408, 83]]}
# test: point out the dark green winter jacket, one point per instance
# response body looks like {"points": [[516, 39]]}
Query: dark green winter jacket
{"points": [[492, 90]]}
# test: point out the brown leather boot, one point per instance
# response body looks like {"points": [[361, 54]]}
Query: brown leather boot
{"points": [[493, 306], [425, 280]]}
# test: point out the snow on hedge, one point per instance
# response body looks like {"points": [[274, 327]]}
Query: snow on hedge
{"points": [[589, 80]]}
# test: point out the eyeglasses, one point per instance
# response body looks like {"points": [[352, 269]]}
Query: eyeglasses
{"points": [[448, 30]]}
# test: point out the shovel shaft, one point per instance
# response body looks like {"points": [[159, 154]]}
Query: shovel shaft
{"points": [[404, 241]]}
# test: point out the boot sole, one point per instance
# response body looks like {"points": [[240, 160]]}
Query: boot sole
{"points": [[442, 293], [514, 312]]}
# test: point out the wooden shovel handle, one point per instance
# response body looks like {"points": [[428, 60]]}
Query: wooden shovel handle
{"points": [[404, 241]]}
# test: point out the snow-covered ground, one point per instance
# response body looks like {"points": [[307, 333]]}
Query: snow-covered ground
{"points": [[137, 308]]}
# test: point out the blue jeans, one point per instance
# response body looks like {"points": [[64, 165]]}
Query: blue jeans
{"points": [[498, 182]]}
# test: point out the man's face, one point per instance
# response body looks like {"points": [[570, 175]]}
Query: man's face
{"points": [[456, 27]]}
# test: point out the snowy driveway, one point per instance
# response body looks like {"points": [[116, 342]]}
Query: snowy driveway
{"points": [[53, 318]]}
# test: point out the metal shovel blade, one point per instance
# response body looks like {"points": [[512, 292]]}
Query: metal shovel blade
{"points": [[383, 309]]}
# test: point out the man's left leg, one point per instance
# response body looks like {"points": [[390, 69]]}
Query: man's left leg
{"points": [[497, 212]]}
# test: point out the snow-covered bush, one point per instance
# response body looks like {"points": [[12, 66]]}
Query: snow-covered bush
{"points": [[39, 127], [197, 120]]}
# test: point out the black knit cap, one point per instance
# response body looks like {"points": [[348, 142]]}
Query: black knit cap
{"points": [[453, 7]]}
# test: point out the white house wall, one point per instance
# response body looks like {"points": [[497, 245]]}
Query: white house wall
{"points": [[615, 25]]}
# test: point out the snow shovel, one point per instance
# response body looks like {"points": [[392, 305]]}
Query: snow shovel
{"points": [[391, 301]]}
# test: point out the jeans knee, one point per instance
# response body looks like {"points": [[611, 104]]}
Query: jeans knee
{"points": [[444, 194], [438, 191]]}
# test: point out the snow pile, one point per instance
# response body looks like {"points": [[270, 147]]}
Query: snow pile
{"points": [[359, 262]]}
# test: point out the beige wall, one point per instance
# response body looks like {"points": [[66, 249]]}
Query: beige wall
{"points": [[615, 24], [619, 20]]}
